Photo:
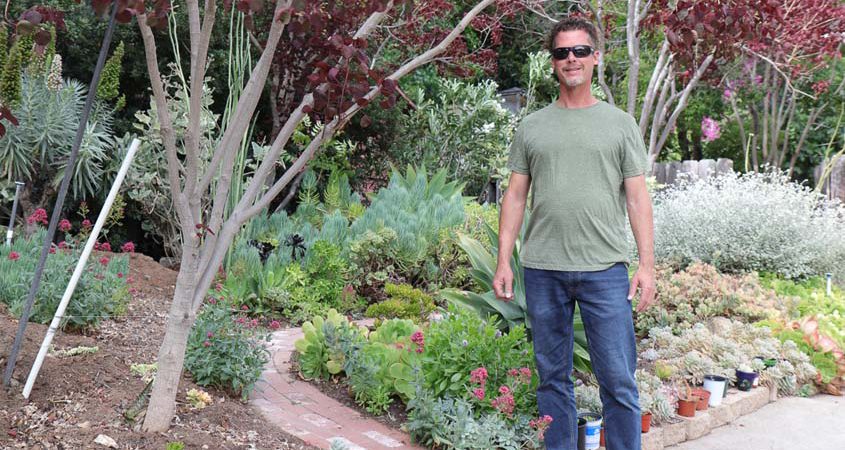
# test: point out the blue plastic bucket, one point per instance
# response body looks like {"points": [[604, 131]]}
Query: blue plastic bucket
{"points": [[592, 432]]}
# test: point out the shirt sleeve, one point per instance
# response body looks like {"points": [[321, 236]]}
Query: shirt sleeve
{"points": [[634, 153], [518, 158]]}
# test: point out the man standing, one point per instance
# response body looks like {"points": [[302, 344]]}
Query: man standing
{"points": [[585, 162]]}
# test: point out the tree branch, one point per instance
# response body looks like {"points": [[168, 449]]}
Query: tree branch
{"points": [[372, 22], [682, 103], [658, 75]]}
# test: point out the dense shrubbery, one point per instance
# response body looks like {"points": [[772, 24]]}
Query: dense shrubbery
{"points": [[751, 222]]}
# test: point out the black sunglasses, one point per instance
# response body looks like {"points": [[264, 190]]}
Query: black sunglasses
{"points": [[580, 51]]}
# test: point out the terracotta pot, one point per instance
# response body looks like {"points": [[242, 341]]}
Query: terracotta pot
{"points": [[686, 408], [646, 422], [704, 398]]}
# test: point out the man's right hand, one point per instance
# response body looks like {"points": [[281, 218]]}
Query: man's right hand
{"points": [[503, 282]]}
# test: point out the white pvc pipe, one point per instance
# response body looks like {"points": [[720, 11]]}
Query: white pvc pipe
{"points": [[80, 266]]}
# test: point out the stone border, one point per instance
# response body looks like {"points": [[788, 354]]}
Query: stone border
{"points": [[734, 406]]}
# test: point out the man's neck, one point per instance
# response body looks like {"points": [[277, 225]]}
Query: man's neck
{"points": [[577, 97]]}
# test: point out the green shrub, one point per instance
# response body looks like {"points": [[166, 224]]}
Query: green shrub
{"points": [[226, 350], [325, 345], [462, 342], [814, 301], [454, 265], [405, 302], [750, 222]]}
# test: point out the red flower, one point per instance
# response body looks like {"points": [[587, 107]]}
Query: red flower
{"points": [[120, 274], [209, 335], [206, 344], [212, 300], [14, 256], [244, 308], [39, 216], [127, 247], [275, 325], [105, 247], [104, 261], [62, 244], [478, 376], [65, 226], [86, 224], [504, 390], [52, 249], [478, 393]]}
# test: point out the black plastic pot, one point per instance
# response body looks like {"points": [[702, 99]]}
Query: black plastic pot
{"points": [[582, 433]]}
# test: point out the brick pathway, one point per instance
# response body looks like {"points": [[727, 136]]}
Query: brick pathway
{"points": [[303, 411]]}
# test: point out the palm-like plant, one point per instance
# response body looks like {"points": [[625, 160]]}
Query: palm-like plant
{"points": [[514, 312]]}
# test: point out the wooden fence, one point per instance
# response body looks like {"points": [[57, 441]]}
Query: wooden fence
{"points": [[671, 172]]}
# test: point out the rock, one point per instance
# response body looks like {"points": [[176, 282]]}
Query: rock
{"points": [[168, 263], [85, 425], [105, 441]]}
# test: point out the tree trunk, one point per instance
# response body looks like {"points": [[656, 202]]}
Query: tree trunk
{"points": [[171, 355]]}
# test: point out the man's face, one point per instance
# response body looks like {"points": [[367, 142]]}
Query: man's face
{"points": [[574, 71]]}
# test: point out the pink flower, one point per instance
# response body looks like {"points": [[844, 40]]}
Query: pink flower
{"points": [[97, 245], [39, 216], [479, 376], [64, 225], [206, 344], [504, 390], [275, 325], [710, 130], [540, 424], [105, 247], [253, 323], [120, 274], [86, 224], [104, 261], [525, 371], [244, 308], [14, 256], [133, 291], [128, 247], [52, 249], [218, 287], [212, 300], [504, 403], [209, 335], [513, 373], [478, 393], [419, 339], [62, 244]]}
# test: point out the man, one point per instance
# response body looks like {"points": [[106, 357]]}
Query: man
{"points": [[585, 162]]}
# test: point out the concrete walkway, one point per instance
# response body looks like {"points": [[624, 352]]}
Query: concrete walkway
{"points": [[791, 423], [302, 410]]}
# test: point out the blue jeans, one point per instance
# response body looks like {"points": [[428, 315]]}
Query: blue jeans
{"points": [[609, 326]]}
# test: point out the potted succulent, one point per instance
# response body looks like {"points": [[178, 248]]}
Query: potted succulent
{"points": [[745, 377], [646, 405], [703, 398], [687, 402]]}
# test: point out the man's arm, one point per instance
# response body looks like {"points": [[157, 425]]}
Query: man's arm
{"points": [[642, 224], [510, 221]]}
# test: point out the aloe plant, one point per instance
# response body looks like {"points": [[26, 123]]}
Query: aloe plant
{"points": [[514, 312]]}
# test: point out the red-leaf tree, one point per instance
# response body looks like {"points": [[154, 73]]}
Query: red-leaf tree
{"points": [[339, 86]]}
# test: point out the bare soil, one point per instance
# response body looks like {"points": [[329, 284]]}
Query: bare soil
{"points": [[77, 398]]}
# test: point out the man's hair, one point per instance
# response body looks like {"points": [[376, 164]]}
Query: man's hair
{"points": [[569, 24]]}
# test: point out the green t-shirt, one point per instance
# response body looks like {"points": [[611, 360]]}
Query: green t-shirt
{"points": [[577, 160]]}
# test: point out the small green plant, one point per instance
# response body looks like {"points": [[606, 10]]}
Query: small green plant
{"points": [[404, 302], [226, 350], [175, 446], [320, 353], [198, 399]]}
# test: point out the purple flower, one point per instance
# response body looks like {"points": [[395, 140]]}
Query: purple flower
{"points": [[710, 130]]}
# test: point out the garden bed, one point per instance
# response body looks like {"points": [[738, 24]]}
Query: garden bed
{"points": [[77, 398]]}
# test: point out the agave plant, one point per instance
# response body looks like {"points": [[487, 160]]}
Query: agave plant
{"points": [[514, 312]]}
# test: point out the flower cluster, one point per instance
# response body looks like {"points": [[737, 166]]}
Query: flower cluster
{"points": [[541, 424], [710, 130], [128, 247], [522, 375], [39, 216], [102, 246], [504, 403], [14, 256], [65, 225], [418, 339]]}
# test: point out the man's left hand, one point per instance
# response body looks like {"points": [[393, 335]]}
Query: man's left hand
{"points": [[644, 279]]}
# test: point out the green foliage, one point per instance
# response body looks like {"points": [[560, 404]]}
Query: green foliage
{"points": [[452, 423], [404, 302], [321, 353], [462, 128], [178, 445], [386, 366], [4, 47], [814, 301], [700, 292], [109, 87], [462, 342], [100, 293], [508, 314], [225, 351], [452, 261]]}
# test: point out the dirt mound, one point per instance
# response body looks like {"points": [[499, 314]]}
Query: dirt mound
{"points": [[77, 398]]}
